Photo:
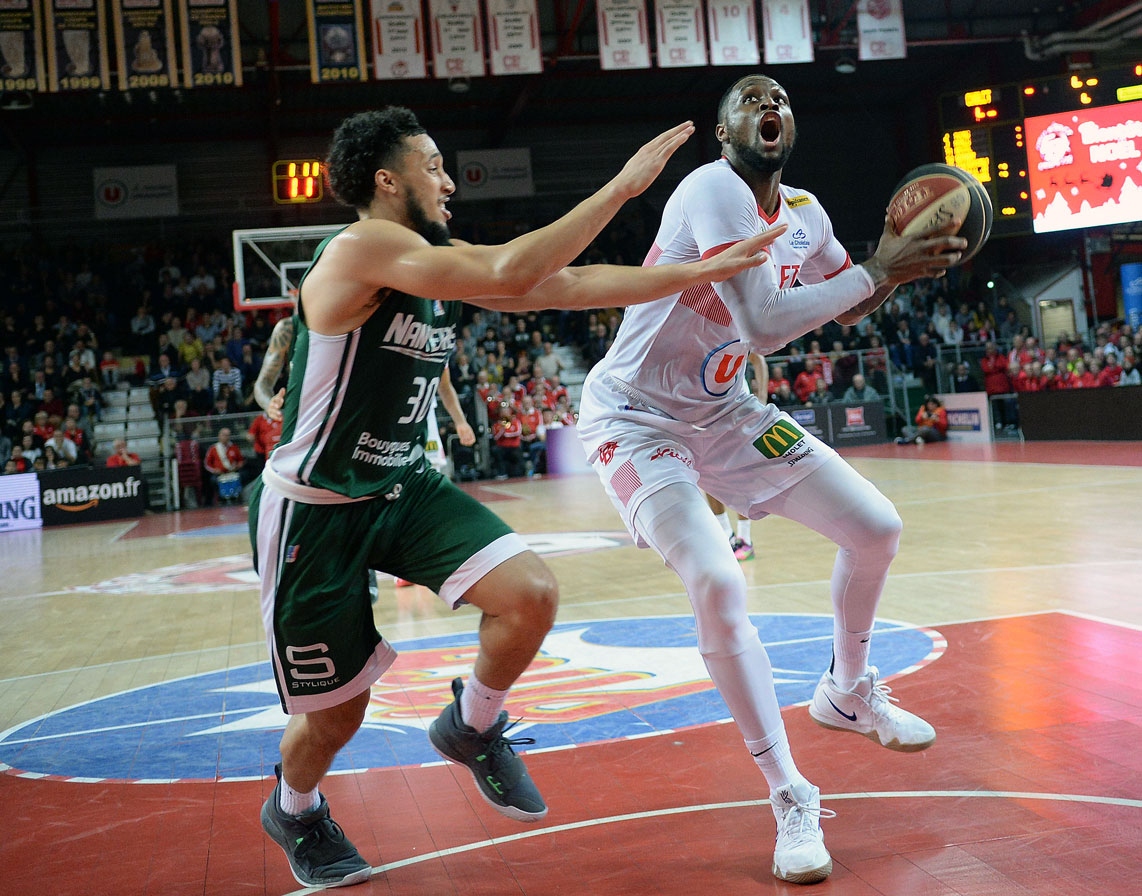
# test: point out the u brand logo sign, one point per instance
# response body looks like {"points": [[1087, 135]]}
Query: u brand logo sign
{"points": [[722, 366]]}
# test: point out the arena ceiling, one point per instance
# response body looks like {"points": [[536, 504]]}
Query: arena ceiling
{"points": [[952, 44]]}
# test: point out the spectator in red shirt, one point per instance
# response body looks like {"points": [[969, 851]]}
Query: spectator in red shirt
{"points": [[776, 378], [534, 433], [556, 390], [806, 383], [507, 433], [223, 459], [43, 426], [121, 457], [1081, 378], [1111, 371], [265, 433], [488, 394], [994, 368], [1029, 378], [77, 437]]}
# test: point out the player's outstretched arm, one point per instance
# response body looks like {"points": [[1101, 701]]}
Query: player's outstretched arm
{"points": [[406, 262], [900, 259], [770, 317], [608, 285]]}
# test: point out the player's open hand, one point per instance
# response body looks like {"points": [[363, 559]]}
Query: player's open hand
{"points": [[899, 259], [274, 411], [742, 255], [646, 164]]}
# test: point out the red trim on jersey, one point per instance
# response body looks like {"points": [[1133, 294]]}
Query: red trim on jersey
{"points": [[717, 250], [703, 300], [844, 267]]}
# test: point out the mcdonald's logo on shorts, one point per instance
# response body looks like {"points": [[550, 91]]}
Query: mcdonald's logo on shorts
{"points": [[778, 439]]}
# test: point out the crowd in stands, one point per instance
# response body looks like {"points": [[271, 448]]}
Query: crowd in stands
{"points": [[78, 323]]}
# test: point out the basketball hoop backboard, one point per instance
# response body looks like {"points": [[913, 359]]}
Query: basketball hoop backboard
{"points": [[269, 263]]}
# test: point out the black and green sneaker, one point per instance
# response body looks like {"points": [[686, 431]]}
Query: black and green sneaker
{"points": [[500, 774], [319, 853]]}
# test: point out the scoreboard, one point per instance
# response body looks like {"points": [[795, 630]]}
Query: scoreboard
{"points": [[984, 130]]}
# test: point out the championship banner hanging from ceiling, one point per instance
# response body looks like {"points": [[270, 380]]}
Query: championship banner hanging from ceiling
{"points": [[457, 39], [681, 33], [211, 52], [398, 40], [336, 41], [21, 59], [624, 35], [144, 42], [513, 37], [733, 33], [788, 32], [79, 57], [880, 30]]}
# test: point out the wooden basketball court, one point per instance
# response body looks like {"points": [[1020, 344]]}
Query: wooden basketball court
{"points": [[138, 728]]}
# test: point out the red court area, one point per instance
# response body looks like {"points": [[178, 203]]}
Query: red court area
{"points": [[1034, 786]]}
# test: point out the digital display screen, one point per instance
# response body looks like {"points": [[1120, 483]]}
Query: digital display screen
{"points": [[1085, 167], [985, 132]]}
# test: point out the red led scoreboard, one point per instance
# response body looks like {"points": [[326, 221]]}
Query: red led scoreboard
{"points": [[996, 134]]}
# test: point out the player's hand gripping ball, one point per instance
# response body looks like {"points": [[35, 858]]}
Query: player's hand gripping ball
{"points": [[935, 196]]}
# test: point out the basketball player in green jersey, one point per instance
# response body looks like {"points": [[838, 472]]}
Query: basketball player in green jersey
{"points": [[349, 488]]}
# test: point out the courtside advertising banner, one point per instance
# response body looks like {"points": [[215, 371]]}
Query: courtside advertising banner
{"points": [[19, 502], [144, 40], [398, 40], [857, 424], [211, 51], [969, 416], [21, 60], [90, 494], [79, 57], [1083, 167], [513, 37]]}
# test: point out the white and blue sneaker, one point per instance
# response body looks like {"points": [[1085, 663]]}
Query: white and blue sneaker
{"points": [[800, 856], [868, 709]]}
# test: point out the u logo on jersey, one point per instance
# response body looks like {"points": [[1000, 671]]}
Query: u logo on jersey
{"points": [[722, 366]]}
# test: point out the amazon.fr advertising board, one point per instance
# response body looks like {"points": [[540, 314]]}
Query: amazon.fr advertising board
{"points": [[61, 497]]}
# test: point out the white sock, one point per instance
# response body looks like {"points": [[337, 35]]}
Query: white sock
{"points": [[293, 802], [745, 530], [850, 656], [723, 519], [480, 705], [775, 760]]}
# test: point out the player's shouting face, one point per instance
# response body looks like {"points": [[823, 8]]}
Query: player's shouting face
{"points": [[755, 125]]}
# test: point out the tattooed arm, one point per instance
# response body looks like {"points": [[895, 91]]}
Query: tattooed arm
{"points": [[277, 354]]}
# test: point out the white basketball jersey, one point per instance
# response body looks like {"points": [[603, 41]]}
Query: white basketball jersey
{"points": [[683, 354]]}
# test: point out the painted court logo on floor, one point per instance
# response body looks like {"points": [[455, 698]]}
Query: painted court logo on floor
{"points": [[592, 681]]}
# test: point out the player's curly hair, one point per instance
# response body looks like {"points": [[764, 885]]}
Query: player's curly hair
{"points": [[363, 144]]}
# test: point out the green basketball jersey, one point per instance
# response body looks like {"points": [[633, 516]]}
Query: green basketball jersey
{"points": [[353, 423]]}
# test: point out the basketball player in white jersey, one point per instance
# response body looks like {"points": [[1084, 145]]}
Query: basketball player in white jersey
{"points": [[666, 415]]}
